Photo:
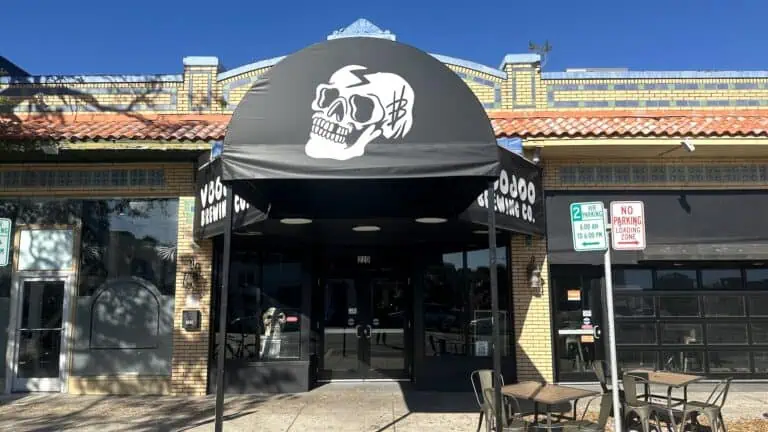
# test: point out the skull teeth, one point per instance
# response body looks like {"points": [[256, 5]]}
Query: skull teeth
{"points": [[329, 130]]}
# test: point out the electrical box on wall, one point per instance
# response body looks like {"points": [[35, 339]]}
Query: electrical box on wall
{"points": [[190, 320]]}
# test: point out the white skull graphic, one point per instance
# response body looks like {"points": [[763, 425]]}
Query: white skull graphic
{"points": [[354, 108]]}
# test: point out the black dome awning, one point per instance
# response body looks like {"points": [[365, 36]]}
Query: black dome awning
{"points": [[360, 127]]}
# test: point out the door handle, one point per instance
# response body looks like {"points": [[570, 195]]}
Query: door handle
{"points": [[357, 331], [367, 331]]}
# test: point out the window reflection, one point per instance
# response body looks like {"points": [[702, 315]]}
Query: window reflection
{"points": [[632, 279], [757, 279], [264, 307], [721, 279], [124, 238], [682, 361], [676, 280], [727, 334], [728, 362], [760, 332], [634, 306], [629, 333], [679, 306], [758, 305], [682, 334], [457, 304], [724, 306], [681, 328]]}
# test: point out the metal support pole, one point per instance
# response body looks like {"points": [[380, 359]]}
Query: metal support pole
{"points": [[611, 329], [223, 298], [495, 322]]}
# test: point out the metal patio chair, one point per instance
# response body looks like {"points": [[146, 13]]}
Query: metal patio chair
{"points": [[712, 408], [482, 380], [582, 425], [511, 413]]}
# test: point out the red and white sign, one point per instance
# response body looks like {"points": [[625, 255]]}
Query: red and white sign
{"points": [[627, 225]]}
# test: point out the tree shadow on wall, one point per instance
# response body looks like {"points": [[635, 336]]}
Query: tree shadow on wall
{"points": [[52, 100]]}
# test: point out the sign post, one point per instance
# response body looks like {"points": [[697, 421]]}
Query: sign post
{"points": [[612, 336], [5, 241], [591, 232]]}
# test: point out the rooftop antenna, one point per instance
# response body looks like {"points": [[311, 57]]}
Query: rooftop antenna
{"points": [[542, 50]]}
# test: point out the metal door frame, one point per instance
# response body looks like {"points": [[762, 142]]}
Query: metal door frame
{"points": [[17, 281], [364, 292]]}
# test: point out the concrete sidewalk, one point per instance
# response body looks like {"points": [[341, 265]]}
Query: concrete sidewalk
{"points": [[335, 407]]}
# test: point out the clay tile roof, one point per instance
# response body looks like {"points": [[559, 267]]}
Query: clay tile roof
{"points": [[524, 124], [116, 127], [617, 124]]}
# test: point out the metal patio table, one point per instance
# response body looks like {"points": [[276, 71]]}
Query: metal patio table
{"points": [[671, 380], [546, 394]]}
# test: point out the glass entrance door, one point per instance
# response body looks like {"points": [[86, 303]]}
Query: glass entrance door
{"points": [[38, 360], [365, 336]]}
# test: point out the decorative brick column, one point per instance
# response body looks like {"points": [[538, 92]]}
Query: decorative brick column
{"points": [[531, 313], [189, 374], [200, 92]]}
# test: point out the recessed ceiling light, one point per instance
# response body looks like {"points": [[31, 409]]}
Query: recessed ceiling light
{"points": [[431, 220], [295, 221], [366, 228]]}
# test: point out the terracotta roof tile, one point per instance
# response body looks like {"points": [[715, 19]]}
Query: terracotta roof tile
{"points": [[531, 124], [616, 124], [114, 127]]}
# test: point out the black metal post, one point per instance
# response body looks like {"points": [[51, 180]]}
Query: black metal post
{"points": [[223, 297], [494, 306]]}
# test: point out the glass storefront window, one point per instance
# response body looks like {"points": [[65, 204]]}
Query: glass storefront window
{"points": [[457, 305], [759, 332], [682, 334], [634, 359], [721, 279], [682, 361], [728, 361], [129, 238], [727, 334], [280, 308], [632, 279], [757, 279], [632, 333], [724, 306], [662, 315], [679, 306], [264, 307], [761, 361], [674, 280], [634, 306], [758, 305]]}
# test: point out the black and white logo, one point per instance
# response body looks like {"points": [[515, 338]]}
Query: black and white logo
{"points": [[213, 207], [515, 196], [356, 107]]}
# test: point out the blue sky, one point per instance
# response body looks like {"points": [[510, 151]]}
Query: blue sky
{"points": [[90, 37]]}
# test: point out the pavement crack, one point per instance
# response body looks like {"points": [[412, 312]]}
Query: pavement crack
{"points": [[298, 413]]}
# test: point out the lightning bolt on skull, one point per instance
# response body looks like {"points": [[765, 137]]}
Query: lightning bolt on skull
{"points": [[354, 108]]}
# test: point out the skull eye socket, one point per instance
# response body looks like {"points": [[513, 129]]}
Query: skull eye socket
{"points": [[362, 108], [327, 95]]}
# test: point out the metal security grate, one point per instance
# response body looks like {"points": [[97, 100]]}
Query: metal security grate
{"points": [[75, 179], [673, 174]]}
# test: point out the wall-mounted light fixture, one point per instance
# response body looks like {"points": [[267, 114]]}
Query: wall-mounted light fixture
{"points": [[533, 271], [536, 155]]}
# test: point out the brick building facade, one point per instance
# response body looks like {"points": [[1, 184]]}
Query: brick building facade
{"points": [[127, 137]]}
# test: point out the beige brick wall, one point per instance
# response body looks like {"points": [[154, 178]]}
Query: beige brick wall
{"points": [[531, 313], [189, 375]]}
